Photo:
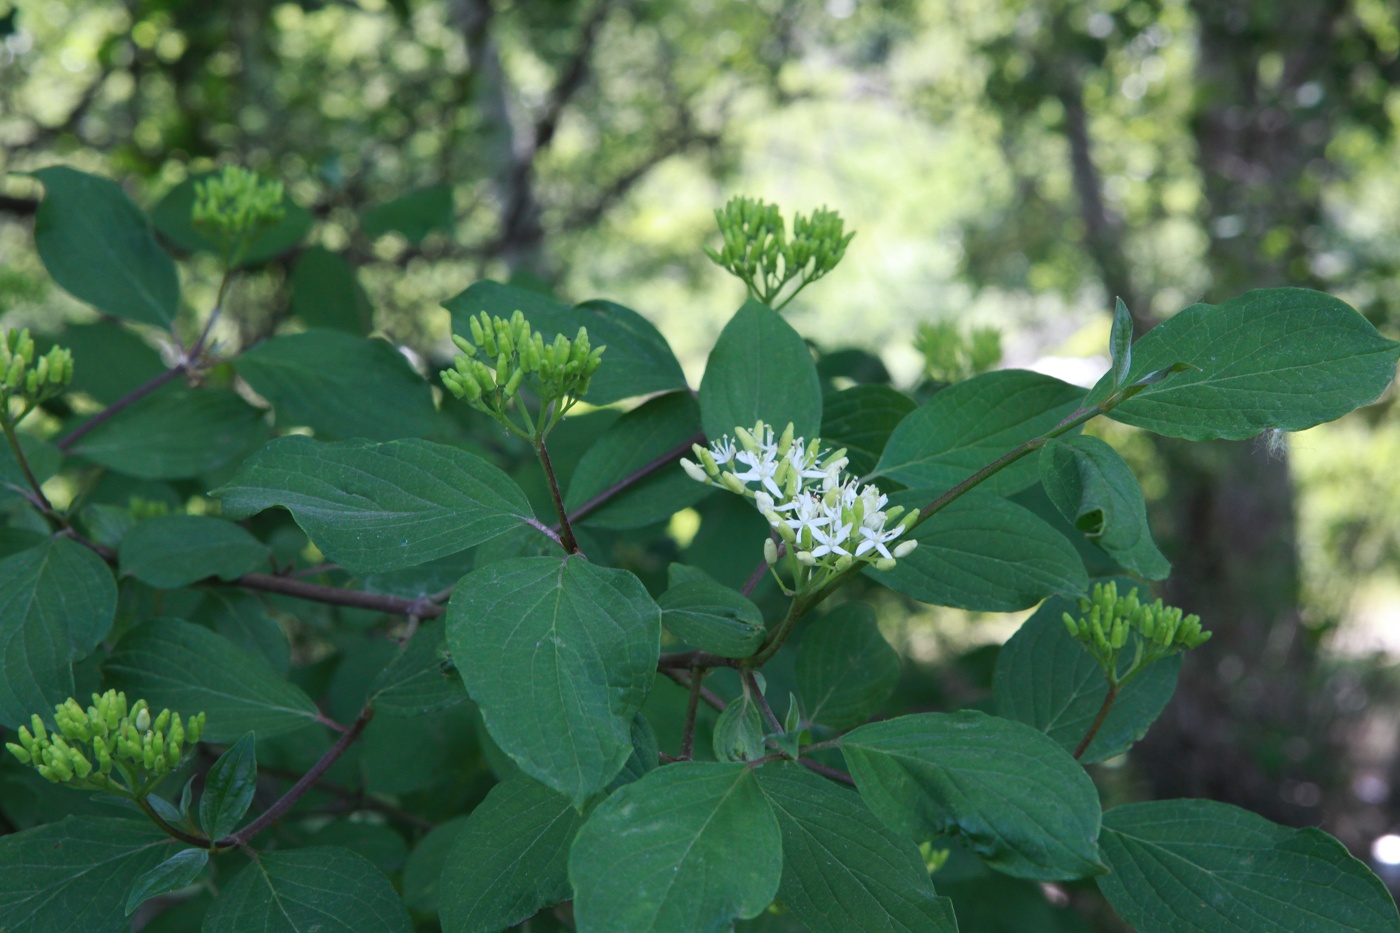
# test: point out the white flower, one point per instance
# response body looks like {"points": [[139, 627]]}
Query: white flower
{"points": [[762, 466], [723, 450], [876, 539], [830, 539]]}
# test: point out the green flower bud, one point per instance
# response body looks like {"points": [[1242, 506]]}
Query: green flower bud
{"points": [[20, 752], [37, 725], [143, 720], [770, 551], [196, 728]]}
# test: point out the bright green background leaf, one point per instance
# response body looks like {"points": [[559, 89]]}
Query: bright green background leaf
{"points": [[845, 668], [378, 507], [687, 849], [171, 551], [760, 368], [414, 214], [559, 655], [1019, 799]]}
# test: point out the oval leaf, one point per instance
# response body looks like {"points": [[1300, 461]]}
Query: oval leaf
{"points": [[1045, 679], [654, 435], [711, 617], [326, 292], [191, 670], [559, 655], [1198, 866], [339, 385], [511, 858], [1272, 359], [760, 368], [971, 423], [1020, 800], [861, 419], [228, 788], [845, 668], [171, 551], [419, 679], [638, 360], [174, 873], [739, 730], [57, 601], [843, 870], [324, 889], [101, 249], [687, 849], [379, 507], [984, 553]]}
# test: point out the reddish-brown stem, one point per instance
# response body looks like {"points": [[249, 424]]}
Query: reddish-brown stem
{"points": [[175, 832], [762, 701], [636, 476], [566, 532], [338, 596], [826, 771], [706, 693], [692, 707], [120, 405], [1097, 724], [39, 499]]}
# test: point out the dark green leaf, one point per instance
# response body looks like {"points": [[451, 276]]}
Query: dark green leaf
{"points": [[323, 889], [559, 655], [109, 360], [174, 433], [57, 601], [326, 292], [1020, 800], [985, 553], [241, 617], [174, 873], [510, 859], [100, 248], [843, 870], [43, 459], [739, 731], [422, 873], [74, 875], [1093, 488], [415, 214], [687, 849], [654, 431], [638, 360], [1120, 343], [171, 551], [712, 617], [1044, 678], [339, 385], [378, 507], [971, 423], [845, 668], [190, 669], [861, 419], [173, 218], [1198, 866], [228, 788], [760, 368], [1273, 359], [419, 680]]}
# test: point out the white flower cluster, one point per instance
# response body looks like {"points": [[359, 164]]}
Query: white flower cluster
{"points": [[826, 518]]}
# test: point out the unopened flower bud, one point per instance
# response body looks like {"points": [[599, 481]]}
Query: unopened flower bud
{"points": [[693, 471], [770, 551]]}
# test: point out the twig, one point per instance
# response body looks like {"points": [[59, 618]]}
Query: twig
{"points": [[692, 707], [120, 405], [762, 700], [636, 476], [339, 596], [566, 532], [41, 500], [826, 771], [201, 842], [1098, 722], [709, 696]]}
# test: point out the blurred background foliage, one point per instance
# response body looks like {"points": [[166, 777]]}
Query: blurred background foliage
{"points": [[1011, 166]]}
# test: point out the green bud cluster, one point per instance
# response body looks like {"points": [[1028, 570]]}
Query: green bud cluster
{"points": [[1109, 623], [88, 745], [503, 356], [31, 378], [950, 355], [758, 251], [235, 205]]}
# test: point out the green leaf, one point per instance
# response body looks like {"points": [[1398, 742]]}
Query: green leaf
{"points": [[75, 874], [100, 248], [323, 889], [861, 419], [175, 433], [687, 849], [422, 873], [739, 731], [984, 553], [1093, 488], [190, 669], [1273, 359], [843, 870], [44, 460], [1045, 679], [971, 423], [241, 617], [378, 507], [171, 551], [1198, 866], [760, 368], [109, 360], [174, 873], [57, 601], [415, 214], [510, 859], [1020, 800], [640, 438], [339, 385], [1120, 343], [172, 216], [845, 668], [638, 360], [228, 788], [559, 655], [419, 680], [326, 292], [712, 617]]}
